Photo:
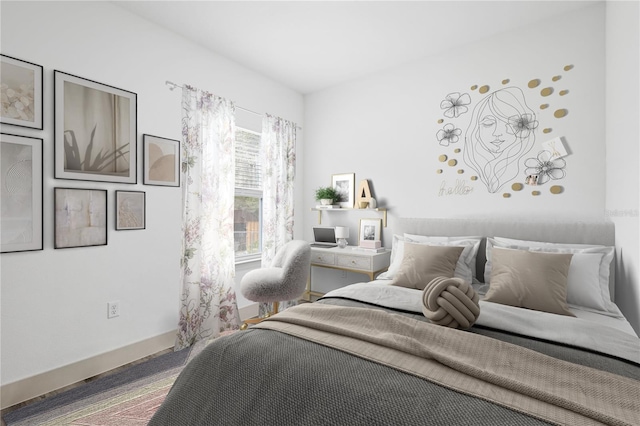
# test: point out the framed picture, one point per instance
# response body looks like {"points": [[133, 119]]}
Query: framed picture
{"points": [[344, 184], [20, 193], [161, 161], [370, 230], [95, 131], [21, 85], [80, 217], [130, 210]]}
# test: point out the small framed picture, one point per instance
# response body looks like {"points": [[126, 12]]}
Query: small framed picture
{"points": [[344, 184], [21, 85], [161, 161], [370, 230], [20, 193], [95, 135], [80, 217], [130, 210]]}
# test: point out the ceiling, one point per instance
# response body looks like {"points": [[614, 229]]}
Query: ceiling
{"points": [[313, 45]]}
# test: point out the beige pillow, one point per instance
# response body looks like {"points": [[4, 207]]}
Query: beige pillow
{"points": [[422, 263], [531, 280]]}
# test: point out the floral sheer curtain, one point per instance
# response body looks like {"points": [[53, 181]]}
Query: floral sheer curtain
{"points": [[208, 303], [278, 159]]}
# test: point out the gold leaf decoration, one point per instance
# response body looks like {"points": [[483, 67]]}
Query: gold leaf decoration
{"points": [[460, 171], [452, 162], [506, 195], [474, 87], [556, 77], [547, 130], [474, 177], [544, 106], [556, 189], [568, 67], [533, 83], [517, 186], [484, 89], [442, 158], [560, 113], [505, 81], [535, 193], [546, 91], [563, 92], [439, 171], [440, 121], [457, 150]]}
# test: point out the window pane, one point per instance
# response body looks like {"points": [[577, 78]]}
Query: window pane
{"points": [[248, 170], [247, 225]]}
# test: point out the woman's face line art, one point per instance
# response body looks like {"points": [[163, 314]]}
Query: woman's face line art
{"points": [[495, 134]]}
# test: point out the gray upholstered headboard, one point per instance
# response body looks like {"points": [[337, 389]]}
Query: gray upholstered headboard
{"points": [[534, 230]]}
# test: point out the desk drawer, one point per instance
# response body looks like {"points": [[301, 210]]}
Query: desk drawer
{"points": [[355, 262], [323, 258]]}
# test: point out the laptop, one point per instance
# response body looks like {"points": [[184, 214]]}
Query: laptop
{"points": [[324, 237]]}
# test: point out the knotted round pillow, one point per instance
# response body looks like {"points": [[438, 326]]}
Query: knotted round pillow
{"points": [[451, 302]]}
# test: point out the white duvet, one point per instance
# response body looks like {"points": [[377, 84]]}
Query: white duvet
{"points": [[602, 333]]}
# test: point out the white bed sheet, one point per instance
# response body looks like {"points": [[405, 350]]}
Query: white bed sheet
{"points": [[603, 333]]}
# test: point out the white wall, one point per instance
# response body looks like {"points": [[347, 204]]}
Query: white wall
{"points": [[384, 128], [623, 138], [54, 302]]}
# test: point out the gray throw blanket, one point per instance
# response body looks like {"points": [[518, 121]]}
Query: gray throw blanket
{"points": [[264, 376]]}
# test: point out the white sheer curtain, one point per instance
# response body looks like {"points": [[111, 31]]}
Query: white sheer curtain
{"points": [[208, 304], [278, 159]]}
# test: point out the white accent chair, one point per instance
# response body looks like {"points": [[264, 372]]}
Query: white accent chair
{"points": [[285, 279]]}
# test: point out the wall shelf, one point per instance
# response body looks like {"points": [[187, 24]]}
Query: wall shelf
{"points": [[379, 209]]}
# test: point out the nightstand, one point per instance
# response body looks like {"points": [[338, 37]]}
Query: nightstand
{"points": [[347, 259]]}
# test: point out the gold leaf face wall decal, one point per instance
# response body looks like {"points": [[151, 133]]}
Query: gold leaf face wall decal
{"points": [[494, 129]]}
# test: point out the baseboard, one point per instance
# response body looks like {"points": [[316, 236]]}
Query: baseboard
{"points": [[32, 387], [249, 311], [41, 384]]}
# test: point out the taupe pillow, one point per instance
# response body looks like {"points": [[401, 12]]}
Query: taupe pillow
{"points": [[422, 263], [531, 280]]}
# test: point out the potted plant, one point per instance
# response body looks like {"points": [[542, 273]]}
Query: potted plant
{"points": [[327, 195]]}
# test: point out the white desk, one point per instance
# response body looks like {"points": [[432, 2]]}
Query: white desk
{"points": [[348, 259]]}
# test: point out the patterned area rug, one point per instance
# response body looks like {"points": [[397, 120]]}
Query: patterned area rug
{"points": [[126, 398]]}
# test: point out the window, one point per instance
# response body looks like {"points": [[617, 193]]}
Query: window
{"points": [[248, 201]]}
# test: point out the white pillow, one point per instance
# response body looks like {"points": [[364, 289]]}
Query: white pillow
{"points": [[465, 268], [588, 279]]}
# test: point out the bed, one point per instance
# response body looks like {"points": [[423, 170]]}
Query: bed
{"points": [[366, 354]]}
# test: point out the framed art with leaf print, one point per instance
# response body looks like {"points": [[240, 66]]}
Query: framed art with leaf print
{"points": [[95, 131], [161, 161], [344, 184], [130, 210], [20, 193], [21, 84], [80, 217]]}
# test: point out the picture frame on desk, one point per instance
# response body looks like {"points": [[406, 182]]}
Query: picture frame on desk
{"points": [[370, 230]]}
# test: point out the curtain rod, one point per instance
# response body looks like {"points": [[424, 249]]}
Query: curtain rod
{"points": [[173, 86]]}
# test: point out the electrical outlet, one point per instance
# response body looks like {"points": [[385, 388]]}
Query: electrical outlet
{"points": [[113, 309]]}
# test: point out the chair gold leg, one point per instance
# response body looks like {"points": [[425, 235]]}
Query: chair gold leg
{"points": [[246, 323]]}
